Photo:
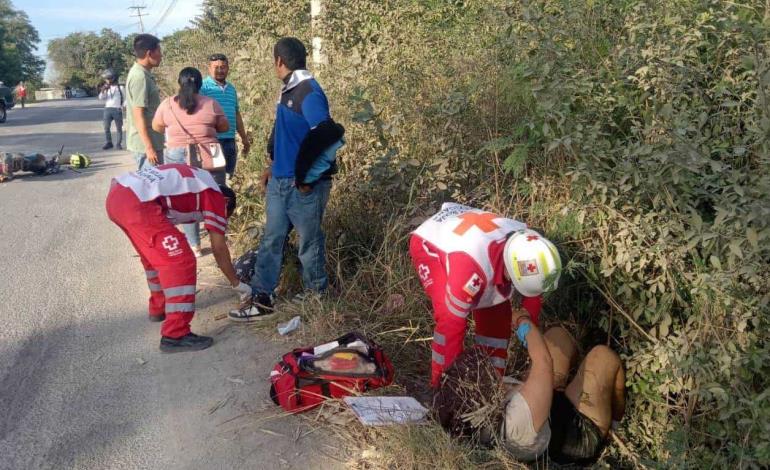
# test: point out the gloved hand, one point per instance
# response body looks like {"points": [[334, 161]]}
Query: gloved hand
{"points": [[244, 290]]}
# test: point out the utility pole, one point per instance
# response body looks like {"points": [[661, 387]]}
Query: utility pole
{"points": [[316, 9], [139, 15]]}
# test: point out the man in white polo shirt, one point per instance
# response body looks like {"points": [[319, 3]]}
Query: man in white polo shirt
{"points": [[112, 93]]}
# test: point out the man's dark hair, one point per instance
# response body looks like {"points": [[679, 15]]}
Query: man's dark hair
{"points": [[230, 198], [218, 57], [292, 52], [144, 43]]}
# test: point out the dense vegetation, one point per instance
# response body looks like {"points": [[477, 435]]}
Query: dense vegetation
{"points": [[18, 41], [633, 133], [79, 59]]}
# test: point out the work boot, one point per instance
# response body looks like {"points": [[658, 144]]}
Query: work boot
{"points": [[157, 318], [260, 306], [189, 342], [119, 147], [107, 146]]}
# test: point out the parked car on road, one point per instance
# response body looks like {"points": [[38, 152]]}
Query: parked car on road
{"points": [[6, 101]]}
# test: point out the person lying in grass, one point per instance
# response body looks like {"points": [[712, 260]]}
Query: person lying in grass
{"points": [[472, 401]]}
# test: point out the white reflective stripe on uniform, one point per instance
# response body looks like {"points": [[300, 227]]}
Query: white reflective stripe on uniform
{"points": [[427, 250], [214, 216], [179, 290], [151, 274], [455, 311], [197, 201], [215, 225], [438, 358], [168, 202], [498, 362], [184, 307], [457, 301], [498, 343], [154, 287], [439, 338]]}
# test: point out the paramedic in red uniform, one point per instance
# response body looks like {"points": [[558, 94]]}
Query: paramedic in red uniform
{"points": [[471, 261], [145, 205]]}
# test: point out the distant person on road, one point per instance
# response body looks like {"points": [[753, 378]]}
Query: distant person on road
{"points": [[189, 118], [302, 131], [21, 92], [145, 205], [216, 86], [111, 92], [142, 100]]}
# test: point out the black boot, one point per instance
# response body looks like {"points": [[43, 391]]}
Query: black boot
{"points": [[107, 146], [189, 342]]}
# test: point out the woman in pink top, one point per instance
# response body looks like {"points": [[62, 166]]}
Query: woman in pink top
{"points": [[190, 118]]}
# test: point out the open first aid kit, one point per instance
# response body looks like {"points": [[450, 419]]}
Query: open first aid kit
{"points": [[351, 364]]}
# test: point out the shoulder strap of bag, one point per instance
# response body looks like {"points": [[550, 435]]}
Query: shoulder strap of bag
{"points": [[171, 108]]}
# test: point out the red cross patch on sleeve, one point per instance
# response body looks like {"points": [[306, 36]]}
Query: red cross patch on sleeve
{"points": [[473, 286]]}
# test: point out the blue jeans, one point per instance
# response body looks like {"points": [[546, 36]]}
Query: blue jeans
{"points": [[142, 162], [231, 155], [287, 207], [191, 231], [109, 115]]}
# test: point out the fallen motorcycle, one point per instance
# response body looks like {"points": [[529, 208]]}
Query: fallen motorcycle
{"points": [[37, 163]]}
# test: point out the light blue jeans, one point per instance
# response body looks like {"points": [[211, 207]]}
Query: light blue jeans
{"points": [[142, 162], [191, 231], [287, 207]]}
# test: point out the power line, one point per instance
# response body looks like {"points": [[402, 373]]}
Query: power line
{"points": [[164, 15], [139, 14]]}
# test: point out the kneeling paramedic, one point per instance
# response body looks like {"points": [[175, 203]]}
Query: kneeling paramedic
{"points": [[145, 205], [469, 260]]}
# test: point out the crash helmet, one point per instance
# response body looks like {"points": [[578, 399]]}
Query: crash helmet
{"points": [[532, 263], [109, 74]]}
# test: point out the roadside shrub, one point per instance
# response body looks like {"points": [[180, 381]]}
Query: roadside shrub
{"points": [[633, 133]]}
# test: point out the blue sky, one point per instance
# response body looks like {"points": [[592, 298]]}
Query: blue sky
{"points": [[57, 18]]}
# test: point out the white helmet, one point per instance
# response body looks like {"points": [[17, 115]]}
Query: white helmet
{"points": [[531, 261]]}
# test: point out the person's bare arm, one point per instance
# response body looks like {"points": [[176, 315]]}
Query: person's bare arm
{"points": [[537, 390], [144, 134], [242, 132], [222, 124], [222, 257], [157, 124]]}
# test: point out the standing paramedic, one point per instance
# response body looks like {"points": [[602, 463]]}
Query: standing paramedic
{"points": [[469, 260], [145, 205], [142, 100], [216, 86], [303, 130]]}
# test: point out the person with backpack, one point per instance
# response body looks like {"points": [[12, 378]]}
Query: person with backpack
{"points": [[190, 119], [146, 204], [111, 92]]}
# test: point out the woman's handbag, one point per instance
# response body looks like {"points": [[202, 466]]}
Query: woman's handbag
{"points": [[207, 156]]}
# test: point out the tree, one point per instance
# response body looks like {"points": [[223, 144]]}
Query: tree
{"points": [[80, 58], [18, 41]]}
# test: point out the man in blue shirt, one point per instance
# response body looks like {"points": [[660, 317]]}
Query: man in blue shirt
{"points": [[303, 130], [216, 86]]}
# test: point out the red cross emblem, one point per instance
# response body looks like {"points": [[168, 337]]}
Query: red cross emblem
{"points": [[484, 221], [531, 238], [532, 267]]}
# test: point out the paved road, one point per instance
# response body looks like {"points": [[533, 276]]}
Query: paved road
{"points": [[82, 384]]}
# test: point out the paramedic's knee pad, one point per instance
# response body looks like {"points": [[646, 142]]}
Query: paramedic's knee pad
{"points": [[518, 430]]}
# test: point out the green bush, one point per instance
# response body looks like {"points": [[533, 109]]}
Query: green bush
{"points": [[634, 133]]}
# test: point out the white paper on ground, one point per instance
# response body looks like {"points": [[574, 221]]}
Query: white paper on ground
{"points": [[381, 411]]}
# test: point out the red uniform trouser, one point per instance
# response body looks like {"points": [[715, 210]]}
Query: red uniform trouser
{"points": [[168, 261], [493, 324]]}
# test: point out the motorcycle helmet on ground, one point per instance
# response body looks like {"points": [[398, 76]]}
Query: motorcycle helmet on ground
{"points": [[80, 160], [532, 262]]}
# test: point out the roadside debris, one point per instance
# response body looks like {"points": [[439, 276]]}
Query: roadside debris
{"points": [[289, 326], [381, 411]]}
